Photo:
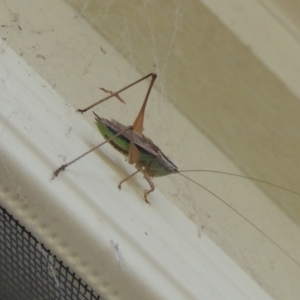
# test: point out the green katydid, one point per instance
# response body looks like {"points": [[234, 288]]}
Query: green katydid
{"points": [[147, 157]]}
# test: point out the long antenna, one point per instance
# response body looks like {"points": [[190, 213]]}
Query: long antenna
{"points": [[228, 205], [242, 176]]}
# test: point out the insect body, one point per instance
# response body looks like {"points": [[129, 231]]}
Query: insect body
{"points": [[148, 158]]}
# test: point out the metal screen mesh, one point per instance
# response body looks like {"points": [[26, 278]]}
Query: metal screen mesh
{"points": [[29, 271]]}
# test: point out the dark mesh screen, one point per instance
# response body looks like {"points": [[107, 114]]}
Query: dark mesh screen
{"points": [[28, 271]]}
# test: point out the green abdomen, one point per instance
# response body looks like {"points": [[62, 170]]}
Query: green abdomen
{"points": [[120, 143]]}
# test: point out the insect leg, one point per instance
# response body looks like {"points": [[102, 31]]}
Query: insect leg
{"points": [[128, 177], [133, 153], [152, 186], [63, 167], [139, 121], [110, 92], [146, 176], [116, 93]]}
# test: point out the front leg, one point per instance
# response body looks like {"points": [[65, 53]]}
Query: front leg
{"points": [[152, 186]]}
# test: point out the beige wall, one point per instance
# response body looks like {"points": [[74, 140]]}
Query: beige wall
{"points": [[230, 67]]}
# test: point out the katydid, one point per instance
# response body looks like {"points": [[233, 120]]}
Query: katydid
{"points": [[130, 141], [147, 157]]}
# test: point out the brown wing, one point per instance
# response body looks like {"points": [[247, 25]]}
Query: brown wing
{"points": [[139, 139]]}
